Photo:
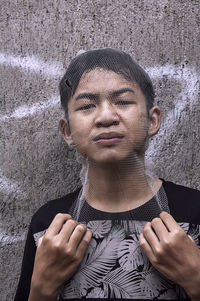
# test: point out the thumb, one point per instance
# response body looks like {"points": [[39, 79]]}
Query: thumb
{"points": [[192, 239], [40, 241]]}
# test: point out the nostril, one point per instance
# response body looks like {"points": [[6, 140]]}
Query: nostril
{"points": [[107, 124], [99, 125], [115, 122]]}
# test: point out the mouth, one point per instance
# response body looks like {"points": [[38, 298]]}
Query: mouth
{"points": [[108, 138]]}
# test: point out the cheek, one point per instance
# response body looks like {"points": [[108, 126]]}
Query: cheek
{"points": [[79, 132], [138, 130], [143, 121], [137, 122]]}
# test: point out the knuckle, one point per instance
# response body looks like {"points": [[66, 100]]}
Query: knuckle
{"points": [[77, 258], [81, 228], [89, 234], [56, 246], [155, 221], [142, 244], [85, 241], [146, 228], [69, 253], [59, 215], [62, 216], [159, 254], [167, 243], [147, 225], [47, 239], [72, 222], [179, 234], [68, 215], [164, 214], [40, 241]]}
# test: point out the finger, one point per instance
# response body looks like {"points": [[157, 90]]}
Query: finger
{"points": [[57, 224], [67, 230], [76, 237], [151, 237], [82, 247], [40, 240], [190, 237], [159, 228], [146, 247], [169, 221]]}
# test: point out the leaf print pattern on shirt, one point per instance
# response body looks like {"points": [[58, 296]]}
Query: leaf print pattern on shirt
{"points": [[115, 267], [130, 255], [121, 284], [99, 228], [99, 260]]}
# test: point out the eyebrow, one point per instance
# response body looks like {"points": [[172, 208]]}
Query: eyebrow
{"points": [[93, 96], [121, 91], [87, 95]]}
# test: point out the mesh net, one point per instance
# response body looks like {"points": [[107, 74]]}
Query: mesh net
{"points": [[120, 63], [108, 100], [151, 209]]}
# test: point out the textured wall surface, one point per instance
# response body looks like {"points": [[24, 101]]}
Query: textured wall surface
{"points": [[38, 39]]}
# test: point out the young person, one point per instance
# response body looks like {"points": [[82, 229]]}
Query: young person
{"points": [[125, 234]]}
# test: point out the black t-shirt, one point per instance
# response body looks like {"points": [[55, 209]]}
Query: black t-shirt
{"points": [[114, 266]]}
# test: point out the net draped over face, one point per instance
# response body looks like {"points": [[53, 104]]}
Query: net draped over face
{"points": [[107, 97], [120, 63]]}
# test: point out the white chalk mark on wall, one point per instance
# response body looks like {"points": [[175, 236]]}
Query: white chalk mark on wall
{"points": [[188, 95], [32, 64], [7, 185], [29, 110], [6, 239]]}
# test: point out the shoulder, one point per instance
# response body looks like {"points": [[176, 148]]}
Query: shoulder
{"points": [[184, 202], [179, 191], [45, 214]]}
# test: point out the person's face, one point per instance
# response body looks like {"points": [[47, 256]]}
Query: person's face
{"points": [[108, 119]]}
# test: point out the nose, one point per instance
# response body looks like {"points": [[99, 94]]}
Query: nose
{"points": [[106, 115]]}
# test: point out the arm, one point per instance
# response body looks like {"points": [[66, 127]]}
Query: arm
{"points": [[173, 253], [27, 268], [59, 254]]}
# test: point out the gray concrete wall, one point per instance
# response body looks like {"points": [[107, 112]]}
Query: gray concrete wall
{"points": [[38, 39]]}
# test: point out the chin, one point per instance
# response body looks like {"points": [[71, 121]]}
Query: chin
{"points": [[111, 159], [114, 156]]}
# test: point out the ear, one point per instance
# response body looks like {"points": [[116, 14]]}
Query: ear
{"points": [[65, 130], [154, 120]]}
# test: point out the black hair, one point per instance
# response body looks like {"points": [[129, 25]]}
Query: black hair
{"points": [[108, 59]]}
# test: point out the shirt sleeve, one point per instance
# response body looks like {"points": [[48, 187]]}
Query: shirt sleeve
{"points": [[23, 288]]}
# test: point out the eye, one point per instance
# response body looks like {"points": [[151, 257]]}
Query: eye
{"points": [[124, 102], [86, 107]]}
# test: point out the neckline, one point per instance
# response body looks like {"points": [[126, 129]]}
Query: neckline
{"points": [[146, 211], [127, 211]]}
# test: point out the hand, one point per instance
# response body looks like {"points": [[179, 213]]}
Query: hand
{"points": [[173, 253], [59, 253]]}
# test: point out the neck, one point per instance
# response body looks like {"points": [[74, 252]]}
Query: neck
{"points": [[120, 186]]}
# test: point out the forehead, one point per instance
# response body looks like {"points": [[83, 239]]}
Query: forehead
{"points": [[101, 80]]}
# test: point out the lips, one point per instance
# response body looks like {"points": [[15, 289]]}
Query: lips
{"points": [[108, 136]]}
